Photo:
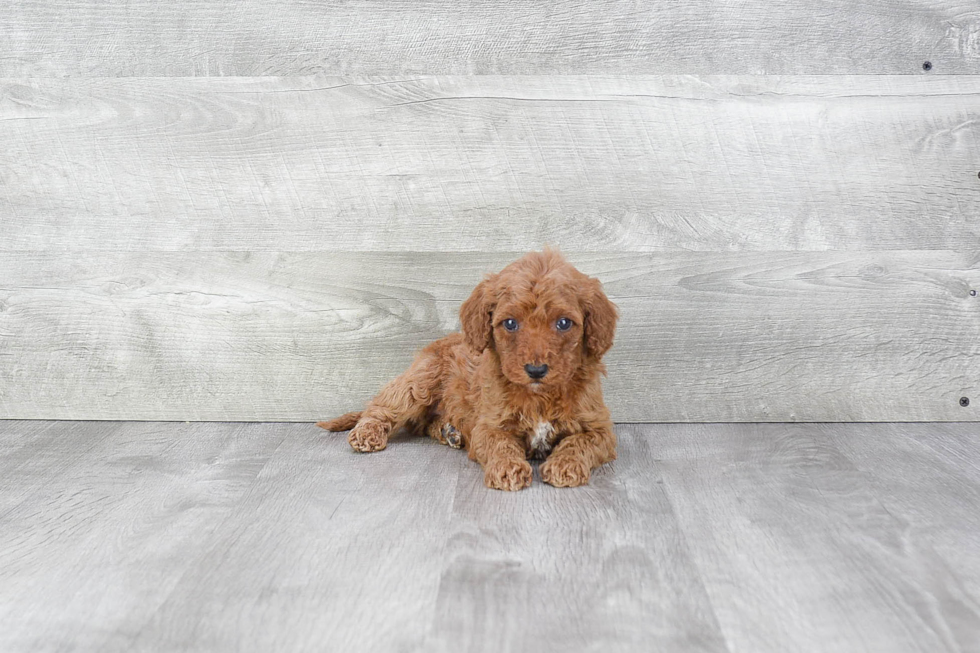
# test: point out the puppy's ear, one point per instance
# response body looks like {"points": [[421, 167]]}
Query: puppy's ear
{"points": [[476, 315], [600, 320]]}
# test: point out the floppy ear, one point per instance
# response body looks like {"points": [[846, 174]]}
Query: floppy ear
{"points": [[600, 320], [475, 316]]}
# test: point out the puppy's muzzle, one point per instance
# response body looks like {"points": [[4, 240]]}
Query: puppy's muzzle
{"points": [[536, 372]]}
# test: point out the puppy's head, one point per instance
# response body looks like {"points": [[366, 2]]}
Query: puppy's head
{"points": [[544, 318]]}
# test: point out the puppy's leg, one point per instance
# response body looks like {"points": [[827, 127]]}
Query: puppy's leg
{"points": [[572, 461], [503, 458], [404, 399]]}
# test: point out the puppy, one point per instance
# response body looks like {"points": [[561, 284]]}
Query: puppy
{"points": [[522, 380]]}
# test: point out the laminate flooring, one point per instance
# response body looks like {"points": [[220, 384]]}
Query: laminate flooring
{"points": [[152, 536]]}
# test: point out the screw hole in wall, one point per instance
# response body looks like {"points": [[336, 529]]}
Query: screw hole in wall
{"points": [[964, 401], [973, 293], [927, 66]]}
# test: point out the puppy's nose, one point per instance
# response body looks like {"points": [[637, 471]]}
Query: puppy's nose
{"points": [[536, 371]]}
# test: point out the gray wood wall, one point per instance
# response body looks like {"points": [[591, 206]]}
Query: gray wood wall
{"points": [[258, 211]]}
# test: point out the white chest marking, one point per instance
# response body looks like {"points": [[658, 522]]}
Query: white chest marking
{"points": [[541, 438]]}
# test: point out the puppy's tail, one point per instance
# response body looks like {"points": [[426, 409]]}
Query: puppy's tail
{"points": [[342, 423]]}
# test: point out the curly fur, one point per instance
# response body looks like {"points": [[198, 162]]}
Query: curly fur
{"points": [[474, 384]]}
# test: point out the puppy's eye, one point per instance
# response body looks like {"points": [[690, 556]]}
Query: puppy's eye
{"points": [[563, 324], [510, 324]]}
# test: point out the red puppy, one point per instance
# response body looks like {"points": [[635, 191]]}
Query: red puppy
{"points": [[522, 380]]}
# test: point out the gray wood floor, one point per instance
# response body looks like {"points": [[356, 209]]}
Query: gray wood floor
{"points": [[122, 536]]}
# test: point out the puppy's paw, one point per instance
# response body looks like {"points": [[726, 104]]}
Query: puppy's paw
{"points": [[565, 471], [507, 474], [369, 436], [451, 436]]}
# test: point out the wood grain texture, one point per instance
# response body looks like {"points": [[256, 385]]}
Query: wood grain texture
{"points": [[776, 515], [259, 537], [36, 452], [329, 549], [927, 479], [616, 576], [791, 336], [111, 517], [491, 163], [140, 37]]}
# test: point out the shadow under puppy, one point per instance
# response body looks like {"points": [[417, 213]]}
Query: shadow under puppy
{"points": [[522, 380]]}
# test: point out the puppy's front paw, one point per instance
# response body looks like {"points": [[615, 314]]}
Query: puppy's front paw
{"points": [[565, 471], [507, 474], [369, 436]]}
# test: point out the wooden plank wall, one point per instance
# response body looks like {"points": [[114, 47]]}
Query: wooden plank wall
{"points": [[240, 211]]}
